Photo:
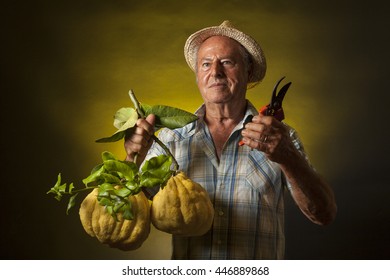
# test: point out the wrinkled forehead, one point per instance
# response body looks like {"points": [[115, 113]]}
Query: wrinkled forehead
{"points": [[219, 46], [220, 42]]}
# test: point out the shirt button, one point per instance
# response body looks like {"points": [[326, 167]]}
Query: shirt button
{"points": [[220, 213]]}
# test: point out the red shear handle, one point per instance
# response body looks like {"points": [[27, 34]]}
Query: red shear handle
{"points": [[279, 114]]}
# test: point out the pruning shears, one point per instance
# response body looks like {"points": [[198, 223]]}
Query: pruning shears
{"points": [[274, 108]]}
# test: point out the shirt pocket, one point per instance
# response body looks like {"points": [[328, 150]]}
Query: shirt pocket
{"points": [[262, 174]]}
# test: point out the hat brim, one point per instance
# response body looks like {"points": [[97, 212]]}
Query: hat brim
{"points": [[195, 40]]}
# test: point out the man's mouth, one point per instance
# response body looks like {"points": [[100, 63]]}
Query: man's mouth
{"points": [[219, 84]]}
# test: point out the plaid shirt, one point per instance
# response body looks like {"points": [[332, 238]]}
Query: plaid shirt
{"points": [[245, 188]]}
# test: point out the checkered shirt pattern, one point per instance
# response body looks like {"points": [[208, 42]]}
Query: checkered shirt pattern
{"points": [[245, 188]]}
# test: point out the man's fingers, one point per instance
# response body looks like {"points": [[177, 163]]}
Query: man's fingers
{"points": [[147, 124]]}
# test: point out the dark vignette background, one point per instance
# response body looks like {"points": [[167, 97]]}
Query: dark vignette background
{"points": [[66, 67]]}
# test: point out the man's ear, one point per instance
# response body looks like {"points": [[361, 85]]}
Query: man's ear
{"points": [[250, 71]]}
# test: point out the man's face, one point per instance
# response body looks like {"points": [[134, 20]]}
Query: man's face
{"points": [[222, 75]]}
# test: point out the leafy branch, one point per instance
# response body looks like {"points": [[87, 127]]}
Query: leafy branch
{"points": [[166, 116], [116, 180], [141, 113]]}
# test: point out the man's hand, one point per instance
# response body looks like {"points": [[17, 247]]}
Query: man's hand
{"points": [[310, 192], [138, 139], [267, 134]]}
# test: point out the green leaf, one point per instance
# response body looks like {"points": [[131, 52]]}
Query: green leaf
{"points": [[123, 192], [58, 183], [169, 117], [107, 156], [59, 189], [93, 178], [104, 201], [105, 190], [113, 138], [124, 169], [156, 171], [109, 178], [166, 116], [124, 119], [124, 124], [134, 187], [96, 168], [123, 115], [158, 164], [117, 207], [128, 212], [71, 203], [106, 187], [71, 187], [110, 210], [54, 189], [148, 181], [146, 109]]}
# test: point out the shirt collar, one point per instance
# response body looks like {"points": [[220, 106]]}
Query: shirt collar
{"points": [[250, 112]]}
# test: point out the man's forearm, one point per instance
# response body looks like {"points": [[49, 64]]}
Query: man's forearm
{"points": [[309, 190]]}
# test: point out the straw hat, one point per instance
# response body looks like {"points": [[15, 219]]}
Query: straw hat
{"points": [[226, 29]]}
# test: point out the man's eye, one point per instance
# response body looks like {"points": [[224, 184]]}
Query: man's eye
{"points": [[227, 62], [206, 64]]}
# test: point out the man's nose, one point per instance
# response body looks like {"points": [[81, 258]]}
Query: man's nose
{"points": [[217, 69]]}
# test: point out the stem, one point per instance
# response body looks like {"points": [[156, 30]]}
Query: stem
{"points": [[81, 190], [175, 164], [139, 111], [136, 104], [154, 137]]}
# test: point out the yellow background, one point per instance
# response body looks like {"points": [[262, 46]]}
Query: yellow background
{"points": [[66, 67]]}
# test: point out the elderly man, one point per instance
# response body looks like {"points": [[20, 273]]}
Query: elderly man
{"points": [[245, 182]]}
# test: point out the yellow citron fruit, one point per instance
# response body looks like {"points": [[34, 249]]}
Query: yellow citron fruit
{"points": [[182, 207], [122, 234]]}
